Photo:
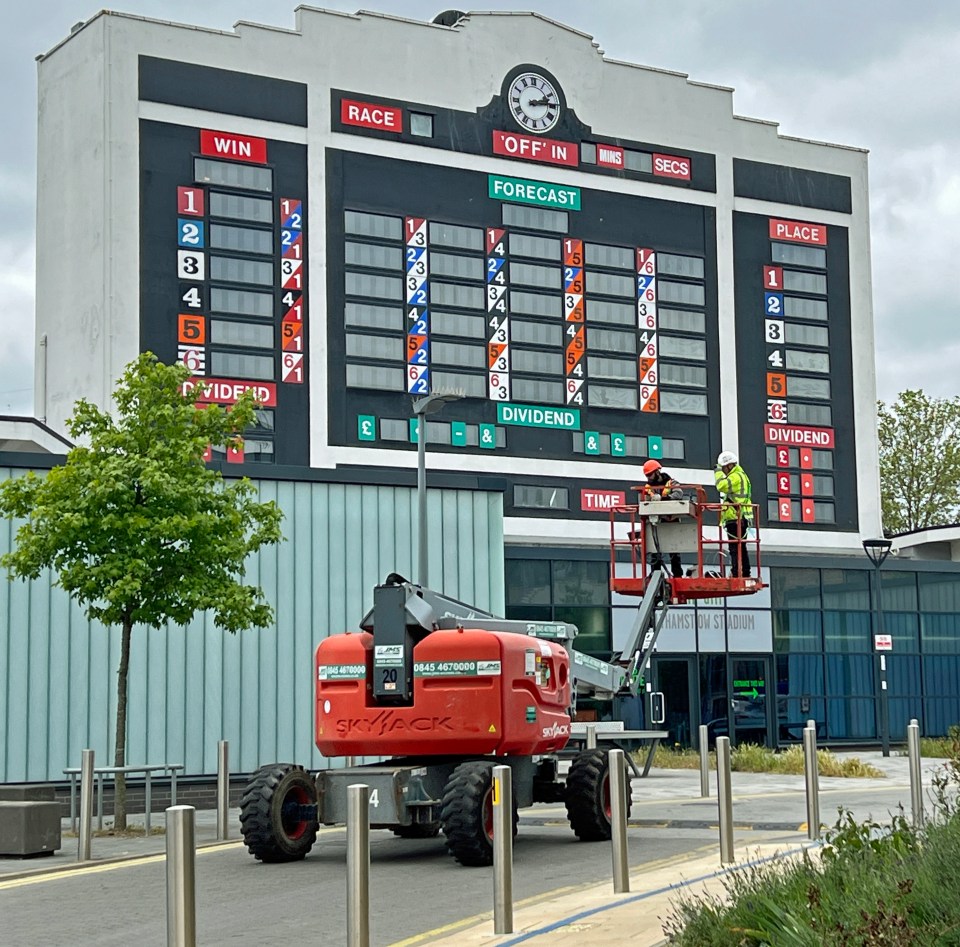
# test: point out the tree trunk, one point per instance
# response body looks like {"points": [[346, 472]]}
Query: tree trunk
{"points": [[120, 756]]}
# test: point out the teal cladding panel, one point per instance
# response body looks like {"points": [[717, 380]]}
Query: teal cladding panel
{"points": [[192, 686]]}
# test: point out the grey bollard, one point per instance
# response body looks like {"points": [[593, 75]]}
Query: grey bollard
{"points": [[181, 877], [502, 850], [704, 760], [916, 785], [590, 743], [811, 774], [86, 804], [618, 820], [725, 800], [223, 789], [358, 865]]}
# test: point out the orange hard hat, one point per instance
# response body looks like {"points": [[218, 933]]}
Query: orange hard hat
{"points": [[651, 466]]}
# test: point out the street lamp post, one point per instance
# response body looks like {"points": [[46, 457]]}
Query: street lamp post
{"points": [[428, 404], [877, 551]]}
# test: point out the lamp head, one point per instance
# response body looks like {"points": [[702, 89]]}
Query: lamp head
{"points": [[877, 550], [433, 402]]}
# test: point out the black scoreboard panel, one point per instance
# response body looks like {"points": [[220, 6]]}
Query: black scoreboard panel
{"points": [[223, 274], [578, 322], [795, 370]]}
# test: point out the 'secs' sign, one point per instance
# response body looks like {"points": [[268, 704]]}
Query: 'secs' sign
{"points": [[234, 147], [591, 500], [535, 149], [798, 231], [671, 166], [387, 118]]}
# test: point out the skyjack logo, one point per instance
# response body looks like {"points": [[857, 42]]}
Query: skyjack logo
{"points": [[555, 730], [234, 147], [387, 722]]}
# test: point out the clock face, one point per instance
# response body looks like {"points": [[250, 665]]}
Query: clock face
{"points": [[534, 102]]}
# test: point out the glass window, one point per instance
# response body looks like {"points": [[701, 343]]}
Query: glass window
{"points": [[544, 248], [588, 152], [369, 284], [939, 592], [376, 376], [527, 581], [229, 270], [581, 583], [252, 334], [247, 177], [593, 628], [459, 267], [904, 627], [529, 274], [373, 225], [796, 630], [455, 353], [457, 238], [824, 512], [536, 362], [849, 675], [674, 346], [899, 590], [616, 369], [392, 429], [255, 451], [680, 320], [474, 386], [609, 340], [375, 346], [243, 302], [611, 396], [690, 294], [611, 284], [240, 239], [451, 294], [798, 413], [795, 307], [534, 218], [456, 323], [823, 486], [941, 676], [369, 316], [799, 386], [851, 718], [673, 448], [806, 335], [538, 304], [605, 310], [638, 161], [794, 588], [421, 126], [371, 254], [535, 333], [673, 265], [681, 402], [806, 361], [799, 255], [530, 389], [796, 282], [238, 207], [846, 631], [234, 365], [691, 376], [541, 498], [597, 254]]}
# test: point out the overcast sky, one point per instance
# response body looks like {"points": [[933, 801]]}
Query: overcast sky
{"points": [[878, 74]]}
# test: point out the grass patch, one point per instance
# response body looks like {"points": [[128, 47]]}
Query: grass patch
{"points": [[748, 758], [131, 831]]}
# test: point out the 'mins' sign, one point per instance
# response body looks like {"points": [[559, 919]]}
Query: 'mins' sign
{"points": [[234, 147]]}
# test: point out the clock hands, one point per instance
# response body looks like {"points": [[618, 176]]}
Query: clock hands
{"points": [[541, 102]]}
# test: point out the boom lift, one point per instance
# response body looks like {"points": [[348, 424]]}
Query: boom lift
{"points": [[443, 691]]}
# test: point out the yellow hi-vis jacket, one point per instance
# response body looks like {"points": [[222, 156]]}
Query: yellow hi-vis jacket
{"points": [[735, 493]]}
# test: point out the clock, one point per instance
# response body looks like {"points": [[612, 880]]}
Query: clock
{"points": [[534, 102]]}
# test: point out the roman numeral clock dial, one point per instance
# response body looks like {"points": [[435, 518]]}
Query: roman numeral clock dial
{"points": [[534, 102]]}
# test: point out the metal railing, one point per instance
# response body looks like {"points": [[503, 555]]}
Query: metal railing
{"points": [[101, 771]]}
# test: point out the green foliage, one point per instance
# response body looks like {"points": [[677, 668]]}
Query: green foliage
{"points": [[749, 758], [134, 525], [919, 461]]}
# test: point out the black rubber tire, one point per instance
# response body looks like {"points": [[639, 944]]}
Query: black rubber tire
{"points": [[588, 796], [467, 814], [417, 830], [273, 829]]}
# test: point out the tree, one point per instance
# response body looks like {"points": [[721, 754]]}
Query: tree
{"points": [[919, 461], [134, 525]]}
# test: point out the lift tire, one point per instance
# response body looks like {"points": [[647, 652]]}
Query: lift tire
{"points": [[466, 814], [588, 796], [417, 830], [274, 825]]}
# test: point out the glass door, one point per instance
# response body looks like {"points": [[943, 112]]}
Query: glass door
{"points": [[674, 678], [749, 679]]}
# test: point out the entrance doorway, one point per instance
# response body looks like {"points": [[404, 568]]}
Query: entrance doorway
{"points": [[676, 679], [734, 698]]}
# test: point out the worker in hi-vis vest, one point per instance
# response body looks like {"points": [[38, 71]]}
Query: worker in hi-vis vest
{"points": [[736, 514]]}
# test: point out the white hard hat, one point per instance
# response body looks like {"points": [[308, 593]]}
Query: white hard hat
{"points": [[726, 457]]}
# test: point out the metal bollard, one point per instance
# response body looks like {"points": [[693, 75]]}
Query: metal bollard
{"points": [[725, 800], [223, 790], [617, 774], [502, 850], [811, 772], [181, 877], [86, 804], [590, 743], [916, 785], [704, 760], [358, 865]]}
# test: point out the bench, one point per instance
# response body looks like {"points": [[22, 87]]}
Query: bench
{"points": [[612, 731]]}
